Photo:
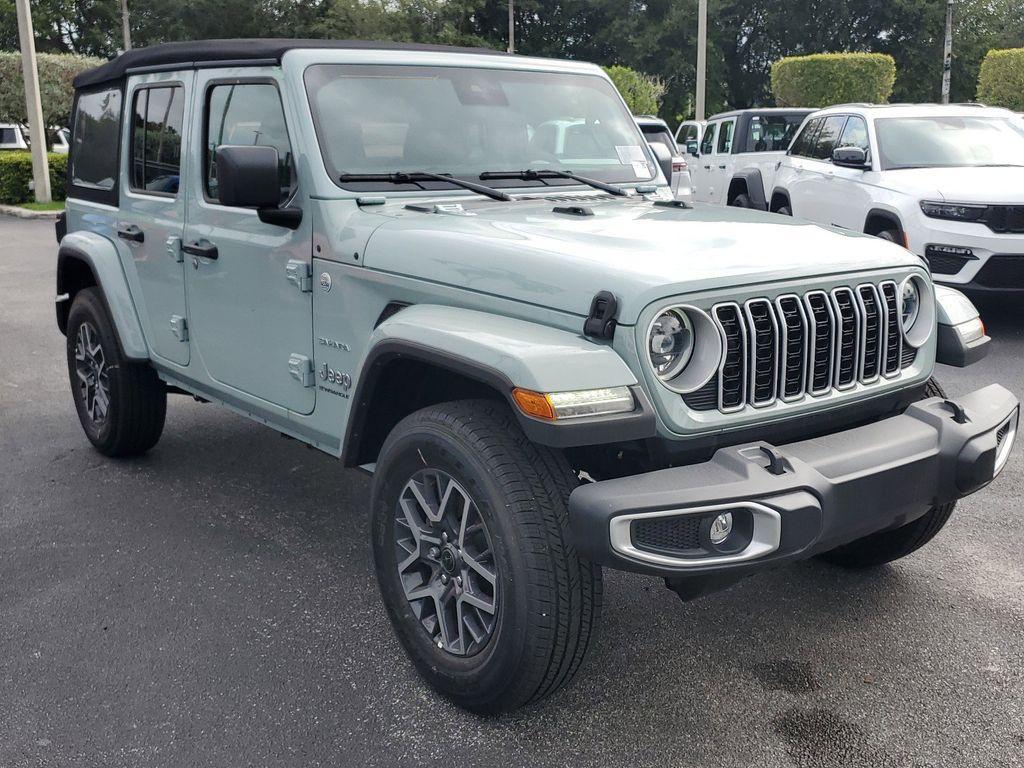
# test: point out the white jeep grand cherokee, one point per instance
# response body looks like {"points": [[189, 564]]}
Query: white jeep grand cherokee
{"points": [[946, 181]]}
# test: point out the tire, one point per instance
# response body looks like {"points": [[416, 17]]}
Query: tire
{"points": [[545, 601], [785, 210], [741, 201], [886, 546], [892, 235], [121, 404]]}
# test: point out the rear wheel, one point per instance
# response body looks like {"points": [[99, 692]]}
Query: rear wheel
{"points": [[741, 201], [121, 404], [886, 546], [474, 559]]}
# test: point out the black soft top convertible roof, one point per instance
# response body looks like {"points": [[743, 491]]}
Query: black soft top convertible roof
{"points": [[206, 53]]}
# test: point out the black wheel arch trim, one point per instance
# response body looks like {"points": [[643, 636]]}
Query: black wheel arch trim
{"points": [[881, 213], [639, 424], [781, 191], [754, 182]]}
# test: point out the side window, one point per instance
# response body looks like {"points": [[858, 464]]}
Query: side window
{"points": [[690, 133], [828, 138], [94, 149], [855, 134], [725, 137], [708, 145], [802, 146], [247, 114], [8, 136], [156, 139]]}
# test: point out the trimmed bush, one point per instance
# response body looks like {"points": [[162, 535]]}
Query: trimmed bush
{"points": [[16, 173], [56, 71], [1001, 81], [642, 93], [824, 79]]}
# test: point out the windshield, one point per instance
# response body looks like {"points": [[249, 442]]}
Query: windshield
{"points": [[949, 142], [463, 122]]}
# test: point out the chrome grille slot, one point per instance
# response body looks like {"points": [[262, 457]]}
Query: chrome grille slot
{"points": [[822, 322], [847, 337], [732, 389], [795, 346], [793, 358], [873, 330], [763, 332], [891, 363]]}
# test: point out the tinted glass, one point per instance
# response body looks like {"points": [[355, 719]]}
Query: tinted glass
{"points": [[725, 137], [772, 133], [949, 142], [247, 114], [689, 133], [831, 130], [802, 146], [465, 121], [708, 144], [8, 136], [156, 139], [855, 134], [95, 143], [661, 135]]}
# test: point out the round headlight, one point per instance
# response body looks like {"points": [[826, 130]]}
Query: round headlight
{"points": [[670, 343], [910, 303]]}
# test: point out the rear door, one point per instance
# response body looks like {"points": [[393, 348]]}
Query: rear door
{"points": [[700, 169], [720, 172], [151, 219], [249, 292]]}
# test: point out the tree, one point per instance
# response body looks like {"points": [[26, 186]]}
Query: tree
{"points": [[642, 93], [56, 73]]}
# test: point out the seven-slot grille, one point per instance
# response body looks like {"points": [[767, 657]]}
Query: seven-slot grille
{"points": [[796, 346]]}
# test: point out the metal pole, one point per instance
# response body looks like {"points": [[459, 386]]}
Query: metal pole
{"points": [[947, 65], [33, 107], [511, 26], [702, 56], [126, 28]]}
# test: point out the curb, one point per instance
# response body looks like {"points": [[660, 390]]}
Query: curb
{"points": [[24, 213]]}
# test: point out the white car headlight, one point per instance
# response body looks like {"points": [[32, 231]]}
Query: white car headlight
{"points": [[670, 343], [910, 304]]}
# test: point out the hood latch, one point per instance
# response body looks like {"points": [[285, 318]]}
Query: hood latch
{"points": [[600, 323]]}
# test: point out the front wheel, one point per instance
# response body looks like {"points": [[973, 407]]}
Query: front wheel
{"points": [[886, 546], [476, 567], [741, 201], [784, 210]]}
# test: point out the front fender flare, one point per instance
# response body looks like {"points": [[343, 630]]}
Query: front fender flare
{"points": [[504, 353], [100, 255]]}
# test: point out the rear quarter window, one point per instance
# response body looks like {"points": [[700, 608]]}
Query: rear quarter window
{"points": [[95, 143]]}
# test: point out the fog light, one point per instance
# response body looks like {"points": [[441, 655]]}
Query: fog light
{"points": [[721, 527]]}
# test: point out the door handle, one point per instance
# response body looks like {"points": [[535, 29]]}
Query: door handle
{"points": [[202, 248], [721, 167], [131, 232], [707, 167]]}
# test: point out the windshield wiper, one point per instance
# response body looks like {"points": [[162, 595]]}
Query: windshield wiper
{"points": [[414, 177], [538, 174]]}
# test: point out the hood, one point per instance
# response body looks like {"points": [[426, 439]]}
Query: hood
{"points": [[641, 252], [994, 186]]}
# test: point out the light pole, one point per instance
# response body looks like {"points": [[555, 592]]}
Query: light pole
{"points": [[702, 56], [126, 29], [947, 63], [33, 107], [511, 26]]}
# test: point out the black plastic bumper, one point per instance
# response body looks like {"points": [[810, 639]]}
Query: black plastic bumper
{"points": [[814, 495]]}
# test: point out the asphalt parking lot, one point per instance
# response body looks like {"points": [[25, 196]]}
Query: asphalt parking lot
{"points": [[213, 604]]}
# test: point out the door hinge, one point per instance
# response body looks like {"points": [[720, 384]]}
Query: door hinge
{"points": [[300, 274], [179, 327], [174, 248], [301, 369]]}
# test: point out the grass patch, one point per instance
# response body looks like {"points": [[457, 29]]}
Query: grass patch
{"points": [[56, 205]]}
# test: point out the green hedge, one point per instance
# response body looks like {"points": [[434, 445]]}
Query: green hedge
{"points": [[824, 79], [642, 93], [1001, 81], [16, 173]]}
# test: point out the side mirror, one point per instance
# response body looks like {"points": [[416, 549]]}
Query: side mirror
{"points": [[248, 177], [664, 157], [851, 157], [693, 148]]}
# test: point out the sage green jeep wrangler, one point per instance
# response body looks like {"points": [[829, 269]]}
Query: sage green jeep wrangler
{"points": [[463, 272]]}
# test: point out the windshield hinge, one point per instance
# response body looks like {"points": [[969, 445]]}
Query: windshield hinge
{"points": [[600, 323]]}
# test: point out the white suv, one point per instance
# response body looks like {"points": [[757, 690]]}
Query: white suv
{"points": [[945, 181]]}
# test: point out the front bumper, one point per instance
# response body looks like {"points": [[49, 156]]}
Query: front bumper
{"points": [[995, 262], [802, 498]]}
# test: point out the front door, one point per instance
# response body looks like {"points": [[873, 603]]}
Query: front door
{"points": [[722, 163], [251, 324], [700, 170], [151, 220]]}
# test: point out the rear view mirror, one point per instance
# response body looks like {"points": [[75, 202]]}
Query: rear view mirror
{"points": [[664, 157], [850, 157], [247, 177]]}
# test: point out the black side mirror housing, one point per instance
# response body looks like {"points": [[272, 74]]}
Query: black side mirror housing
{"points": [[249, 177], [664, 157], [693, 148], [851, 157]]}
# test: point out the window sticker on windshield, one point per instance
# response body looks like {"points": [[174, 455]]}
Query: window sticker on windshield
{"points": [[630, 154], [642, 170]]}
